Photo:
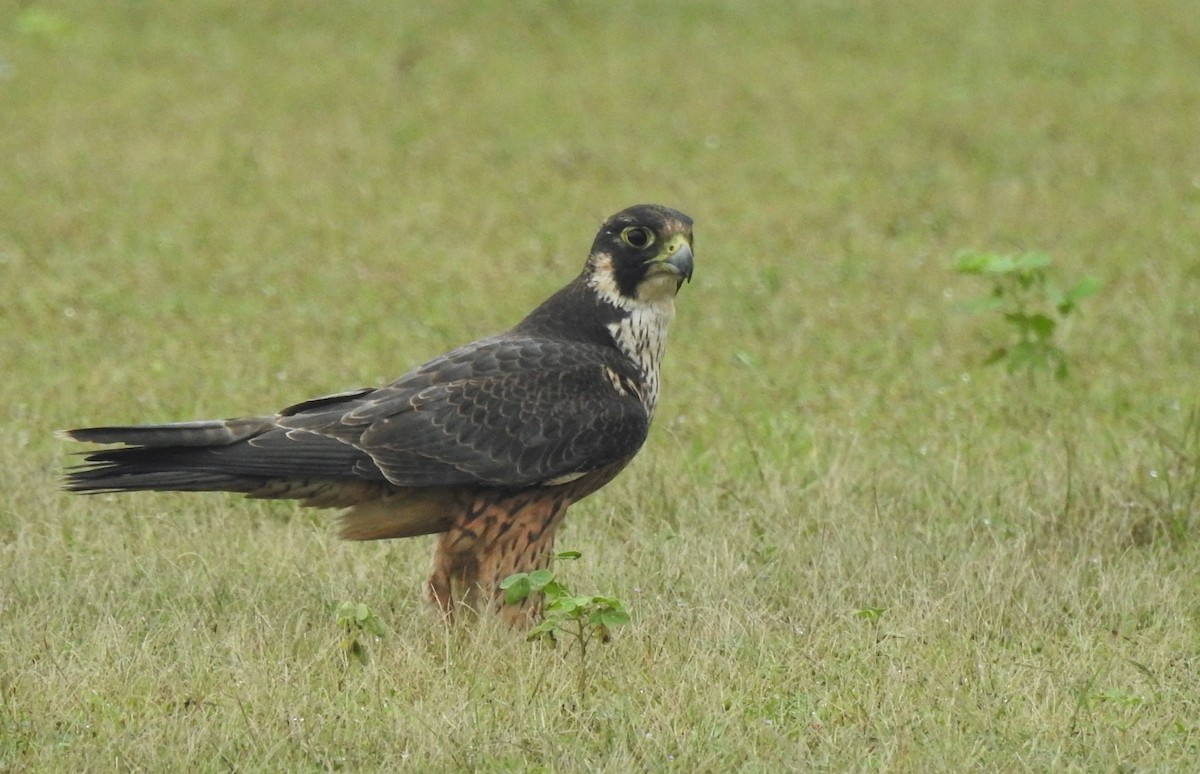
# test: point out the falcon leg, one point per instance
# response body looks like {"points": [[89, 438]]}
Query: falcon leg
{"points": [[455, 566], [495, 536], [450, 571]]}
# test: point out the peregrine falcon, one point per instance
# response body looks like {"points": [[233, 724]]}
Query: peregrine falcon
{"points": [[486, 446]]}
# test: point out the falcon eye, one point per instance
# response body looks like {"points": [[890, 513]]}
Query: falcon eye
{"points": [[637, 237]]}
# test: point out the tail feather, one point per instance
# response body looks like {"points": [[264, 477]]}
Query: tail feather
{"points": [[252, 456], [258, 458], [102, 481], [214, 432], [179, 456], [143, 468]]}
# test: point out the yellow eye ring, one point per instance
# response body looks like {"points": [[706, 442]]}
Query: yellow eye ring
{"points": [[638, 237]]}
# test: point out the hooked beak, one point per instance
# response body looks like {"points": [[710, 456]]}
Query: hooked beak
{"points": [[677, 258], [681, 261]]}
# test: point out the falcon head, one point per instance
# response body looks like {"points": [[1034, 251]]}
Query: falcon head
{"points": [[641, 254]]}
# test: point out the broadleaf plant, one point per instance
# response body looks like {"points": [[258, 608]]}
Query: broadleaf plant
{"points": [[581, 618], [1031, 305]]}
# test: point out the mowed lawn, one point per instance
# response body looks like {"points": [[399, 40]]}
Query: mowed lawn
{"points": [[848, 545]]}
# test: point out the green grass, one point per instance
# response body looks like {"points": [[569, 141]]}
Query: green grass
{"points": [[208, 209]]}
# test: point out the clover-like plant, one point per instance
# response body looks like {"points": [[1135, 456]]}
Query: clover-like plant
{"points": [[582, 618], [1030, 303]]}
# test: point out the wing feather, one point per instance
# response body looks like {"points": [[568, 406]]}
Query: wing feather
{"points": [[516, 412]]}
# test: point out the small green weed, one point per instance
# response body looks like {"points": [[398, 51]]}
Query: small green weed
{"points": [[356, 619], [1030, 303], [871, 614], [566, 615]]}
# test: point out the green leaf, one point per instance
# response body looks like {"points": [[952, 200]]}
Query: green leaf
{"points": [[1088, 287], [375, 626], [547, 630], [565, 605], [514, 578], [355, 650], [1028, 279], [1042, 325], [614, 617], [1031, 262], [518, 590], [1037, 326], [539, 579], [1028, 354], [872, 614], [555, 590], [1068, 301], [983, 263]]}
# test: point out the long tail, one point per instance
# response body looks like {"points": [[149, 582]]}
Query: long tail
{"points": [[182, 457], [258, 458]]}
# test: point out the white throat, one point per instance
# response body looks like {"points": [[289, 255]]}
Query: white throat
{"points": [[642, 333], [642, 336]]}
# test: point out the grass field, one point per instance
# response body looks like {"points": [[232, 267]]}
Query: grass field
{"points": [[848, 545]]}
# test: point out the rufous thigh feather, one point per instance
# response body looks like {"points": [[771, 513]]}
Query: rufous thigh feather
{"points": [[494, 536]]}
